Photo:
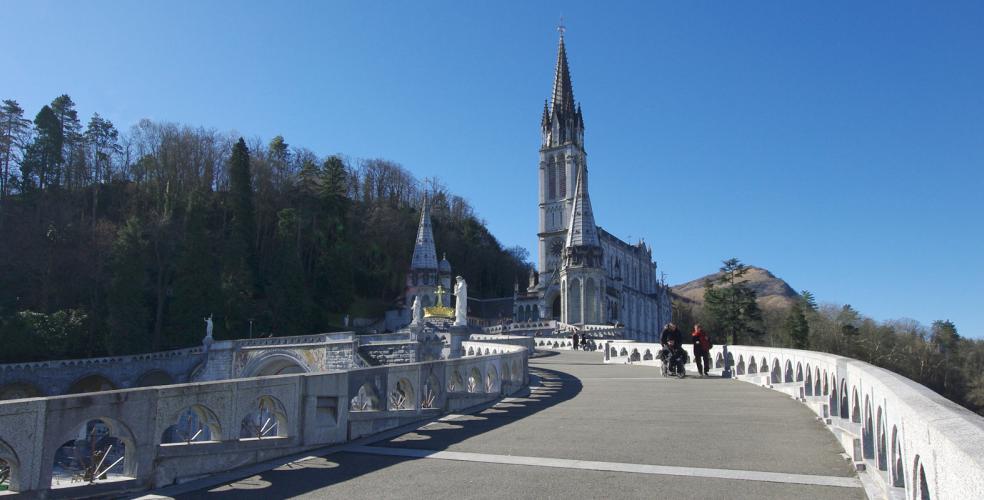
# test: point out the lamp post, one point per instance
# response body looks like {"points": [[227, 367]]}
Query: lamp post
{"points": [[251, 328]]}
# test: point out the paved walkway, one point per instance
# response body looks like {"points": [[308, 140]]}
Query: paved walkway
{"points": [[588, 430]]}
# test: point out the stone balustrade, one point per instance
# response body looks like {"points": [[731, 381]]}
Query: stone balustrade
{"points": [[520, 340], [906, 440], [237, 422]]}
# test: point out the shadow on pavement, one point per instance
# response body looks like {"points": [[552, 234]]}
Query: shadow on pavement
{"points": [[548, 388]]}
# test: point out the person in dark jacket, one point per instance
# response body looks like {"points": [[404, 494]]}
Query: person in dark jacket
{"points": [[702, 350], [670, 332]]}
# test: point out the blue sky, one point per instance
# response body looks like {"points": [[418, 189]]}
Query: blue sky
{"points": [[838, 144]]}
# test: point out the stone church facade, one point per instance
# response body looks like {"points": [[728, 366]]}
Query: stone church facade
{"points": [[585, 275]]}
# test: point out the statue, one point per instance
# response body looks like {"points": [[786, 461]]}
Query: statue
{"points": [[417, 312], [461, 302], [207, 341]]}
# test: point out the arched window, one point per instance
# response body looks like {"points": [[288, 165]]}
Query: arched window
{"points": [[562, 176]]}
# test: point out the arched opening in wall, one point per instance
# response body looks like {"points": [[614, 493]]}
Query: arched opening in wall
{"points": [[492, 384], [457, 383], [274, 364], [898, 466], [267, 420], [591, 302], [919, 478], [19, 390], [856, 407], [99, 450], [826, 386], [365, 399], [574, 302], [845, 410], [432, 389], [752, 366], [764, 366], [402, 396], [881, 442], [194, 424], [471, 351], [91, 383], [635, 355], [614, 352], [555, 308], [474, 380], [623, 352], [788, 373], [731, 359], [9, 469], [799, 372], [776, 372], [535, 313], [719, 361], [833, 402], [808, 383], [740, 369], [868, 431], [817, 390], [154, 377], [506, 372], [647, 356]]}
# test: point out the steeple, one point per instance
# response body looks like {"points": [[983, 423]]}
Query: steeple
{"points": [[562, 123], [562, 99], [424, 254], [582, 232]]}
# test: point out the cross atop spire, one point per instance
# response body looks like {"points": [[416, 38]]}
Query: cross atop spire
{"points": [[561, 28], [562, 99]]}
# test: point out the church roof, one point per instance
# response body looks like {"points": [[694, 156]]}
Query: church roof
{"points": [[562, 99], [424, 254], [582, 230]]}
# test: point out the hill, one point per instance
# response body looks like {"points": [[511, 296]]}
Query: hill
{"points": [[772, 292]]}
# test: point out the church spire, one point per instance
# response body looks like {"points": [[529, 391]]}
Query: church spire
{"points": [[561, 123], [582, 232], [424, 254], [562, 99]]}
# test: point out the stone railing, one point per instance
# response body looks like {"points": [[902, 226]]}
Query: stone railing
{"points": [[132, 358], [545, 324], [908, 440], [316, 338], [240, 421], [520, 340]]}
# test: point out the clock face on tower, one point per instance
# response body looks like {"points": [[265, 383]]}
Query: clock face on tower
{"points": [[556, 247]]}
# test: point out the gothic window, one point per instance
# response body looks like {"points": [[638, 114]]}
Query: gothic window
{"points": [[551, 181], [562, 175]]}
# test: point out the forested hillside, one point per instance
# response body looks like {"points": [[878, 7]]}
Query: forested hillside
{"points": [[120, 242]]}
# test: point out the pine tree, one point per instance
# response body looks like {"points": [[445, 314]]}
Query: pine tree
{"points": [[797, 328], [730, 303], [239, 276], [44, 156], [14, 130], [288, 298], [73, 152]]}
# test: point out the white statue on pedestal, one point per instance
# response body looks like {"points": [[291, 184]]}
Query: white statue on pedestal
{"points": [[460, 302], [417, 312], [207, 341]]}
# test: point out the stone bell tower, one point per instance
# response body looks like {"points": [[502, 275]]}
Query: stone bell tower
{"points": [[561, 155]]}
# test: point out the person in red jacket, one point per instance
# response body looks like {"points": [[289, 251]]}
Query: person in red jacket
{"points": [[702, 350]]}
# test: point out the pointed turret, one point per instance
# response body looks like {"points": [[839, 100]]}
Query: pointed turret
{"points": [[424, 254], [582, 232], [562, 122], [562, 99]]}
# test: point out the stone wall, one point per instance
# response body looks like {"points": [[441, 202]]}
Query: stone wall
{"points": [[303, 411], [390, 353]]}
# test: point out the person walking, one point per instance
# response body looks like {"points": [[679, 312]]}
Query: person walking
{"points": [[672, 342], [702, 349], [574, 343]]}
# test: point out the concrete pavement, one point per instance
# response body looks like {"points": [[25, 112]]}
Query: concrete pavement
{"points": [[588, 430]]}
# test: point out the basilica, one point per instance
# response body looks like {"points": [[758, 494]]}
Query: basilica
{"points": [[585, 275]]}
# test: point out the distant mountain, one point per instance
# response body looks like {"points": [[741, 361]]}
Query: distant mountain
{"points": [[772, 292]]}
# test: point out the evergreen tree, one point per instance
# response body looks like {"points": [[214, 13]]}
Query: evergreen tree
{"points": [[129, 312], [288, 298], [797, 328], [44, 156], [730, 303], [14, 130], [73, 154], [239, 276]]}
